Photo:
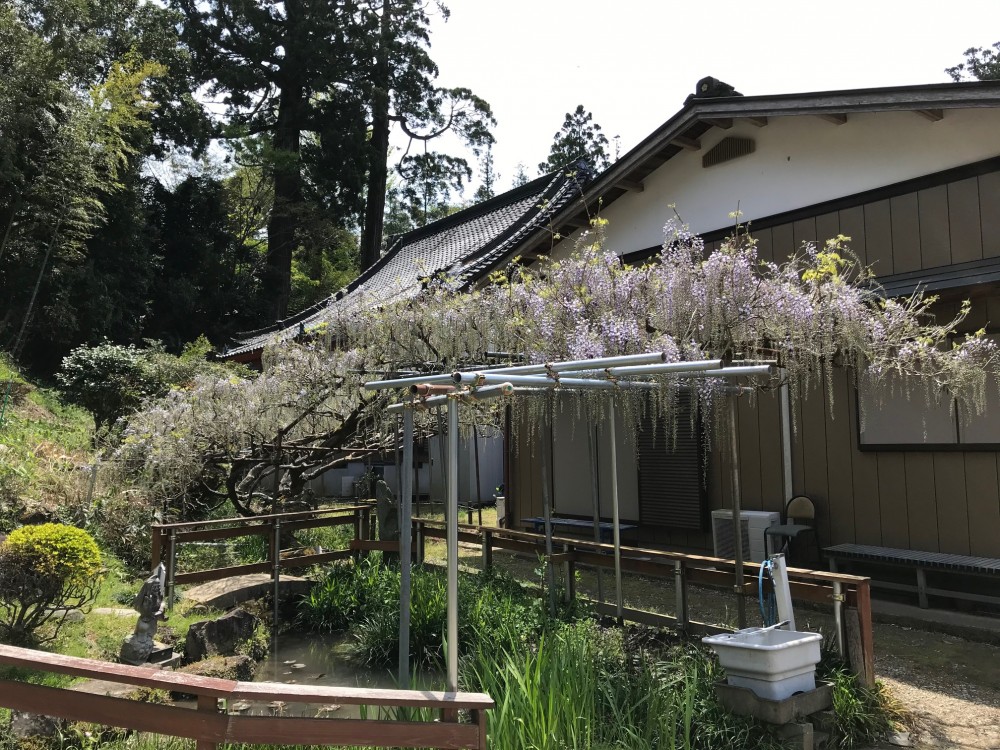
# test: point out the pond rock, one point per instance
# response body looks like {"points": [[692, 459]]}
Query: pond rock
{"points": [[221, 636], [24, 725], [240, 668]]}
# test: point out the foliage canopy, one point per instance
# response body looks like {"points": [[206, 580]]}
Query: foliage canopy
{"points": [[817, 311]]}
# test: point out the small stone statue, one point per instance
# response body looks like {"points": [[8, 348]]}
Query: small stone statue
{"points": [[387, 512], [149, 603]]}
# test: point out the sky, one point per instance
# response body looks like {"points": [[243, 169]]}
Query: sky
{"points": [[633, 62]]}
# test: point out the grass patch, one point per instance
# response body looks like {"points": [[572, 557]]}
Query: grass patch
{"points": [[44, 445]]}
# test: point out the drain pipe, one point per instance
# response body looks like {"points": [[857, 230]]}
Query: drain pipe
{"points": [[782, 594]]}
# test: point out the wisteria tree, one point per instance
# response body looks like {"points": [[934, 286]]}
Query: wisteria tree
{"points": [[817, 311]]}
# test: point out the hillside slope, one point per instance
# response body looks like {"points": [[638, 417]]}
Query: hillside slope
{"points": [[45, 453]]}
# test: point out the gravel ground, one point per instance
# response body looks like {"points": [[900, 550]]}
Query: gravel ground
{"points": [[950, 686]]}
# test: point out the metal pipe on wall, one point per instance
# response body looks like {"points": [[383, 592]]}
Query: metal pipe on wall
{"points": [[452, 540]]}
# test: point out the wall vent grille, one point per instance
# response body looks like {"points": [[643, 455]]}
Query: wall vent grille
{"points": [[729, 148]]}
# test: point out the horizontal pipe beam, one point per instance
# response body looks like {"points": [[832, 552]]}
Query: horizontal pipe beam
{"points": [[383, 385], [479, 394], [647, 358]]}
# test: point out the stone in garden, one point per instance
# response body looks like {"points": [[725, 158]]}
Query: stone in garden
{"points": [[149, 603], [230, 592], [220, 637], [24, 725], [239, 668]]}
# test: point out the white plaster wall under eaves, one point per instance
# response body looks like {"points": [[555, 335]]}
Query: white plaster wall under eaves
{"points": [[798, 161]]}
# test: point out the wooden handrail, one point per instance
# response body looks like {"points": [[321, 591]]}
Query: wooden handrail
{"points": [[304, 514], [210, 725], [814, 586]]}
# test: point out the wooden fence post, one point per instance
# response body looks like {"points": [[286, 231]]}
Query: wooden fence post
{"points": [[209, 705], [680, 594], [156, 549], [569, 572], [866, 636], [487, 548]]}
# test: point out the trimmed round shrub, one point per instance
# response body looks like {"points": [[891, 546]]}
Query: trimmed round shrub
{"points": [[45, 571]]}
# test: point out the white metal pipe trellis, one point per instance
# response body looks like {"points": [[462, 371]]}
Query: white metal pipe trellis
{"points": [[605, 373]]}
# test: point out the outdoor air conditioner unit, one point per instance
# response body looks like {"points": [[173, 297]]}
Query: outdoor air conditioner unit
{"points": [[753, 524]]}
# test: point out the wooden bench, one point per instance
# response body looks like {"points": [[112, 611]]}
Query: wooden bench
{"points": [[578, 525], [921, 562]]}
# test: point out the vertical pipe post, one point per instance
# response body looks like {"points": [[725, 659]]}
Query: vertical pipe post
{"points": [[452, 521], [405, 552], [616, 520], [479, 484], [786, 452], [741, 605], [172, 562], [276, 576], [550, 572], [838, 616], [786, 441], [595, 494]]}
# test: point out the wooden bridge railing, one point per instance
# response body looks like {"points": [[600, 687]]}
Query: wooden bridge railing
{"points": [[211, 722], [167, 538], [849, 594]]}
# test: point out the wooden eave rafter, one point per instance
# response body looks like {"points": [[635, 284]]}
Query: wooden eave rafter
{"points": [[723, 123], [689, 144], [635, 186], [931, 114], [837, 118]]}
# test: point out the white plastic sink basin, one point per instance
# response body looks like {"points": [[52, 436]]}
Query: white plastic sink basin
{"points": [[774, 663]]}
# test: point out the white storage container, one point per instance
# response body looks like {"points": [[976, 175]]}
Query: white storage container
{"points": [[774, 663]]}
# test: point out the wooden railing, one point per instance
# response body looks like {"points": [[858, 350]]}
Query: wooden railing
{"points": [[848, 594], [168, 537], [212, 723]]}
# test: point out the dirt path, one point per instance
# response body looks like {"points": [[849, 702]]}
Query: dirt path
{"points": [[951, 686]]}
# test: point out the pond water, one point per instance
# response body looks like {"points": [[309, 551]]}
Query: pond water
{"points": [[302, 659]]}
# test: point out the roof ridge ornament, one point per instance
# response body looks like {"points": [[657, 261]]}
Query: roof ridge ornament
{"points": [[711, 88]]}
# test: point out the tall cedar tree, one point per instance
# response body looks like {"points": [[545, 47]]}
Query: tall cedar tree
{"points": [[579, 139], [324, 81]]}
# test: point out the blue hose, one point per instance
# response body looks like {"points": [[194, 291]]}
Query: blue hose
{"points": [[768, 604]]}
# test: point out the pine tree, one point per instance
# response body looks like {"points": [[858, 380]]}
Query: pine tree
{"points": [[580, 138]]}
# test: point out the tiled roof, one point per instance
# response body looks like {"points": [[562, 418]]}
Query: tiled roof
{"points": [[466, 245]]}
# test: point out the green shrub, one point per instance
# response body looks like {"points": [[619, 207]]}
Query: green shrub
{"points": [[864, 715], [45, 570], [363, 597], [121, 523]]}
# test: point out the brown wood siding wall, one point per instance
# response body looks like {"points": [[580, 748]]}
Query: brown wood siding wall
{"points": [[938, 501]]}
